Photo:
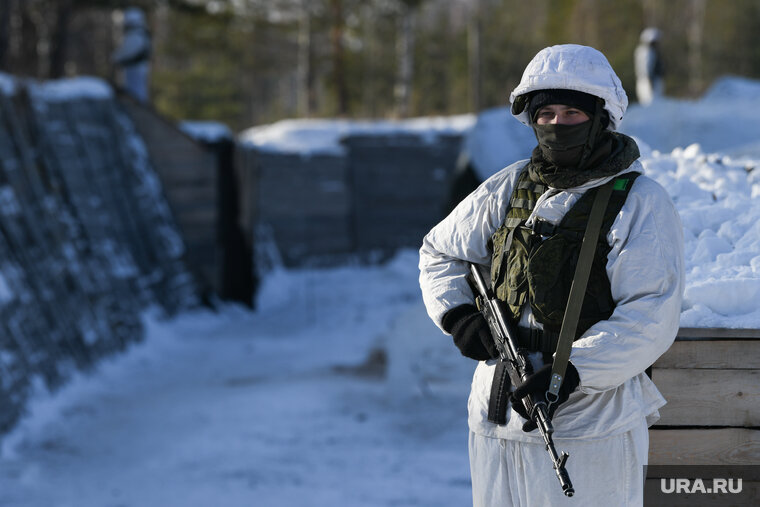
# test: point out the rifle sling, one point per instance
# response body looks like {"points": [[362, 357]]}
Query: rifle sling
{"points": [[578, 289], [498, 401]]}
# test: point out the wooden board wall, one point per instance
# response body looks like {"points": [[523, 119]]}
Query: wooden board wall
{"points": [[188, 174], [711, 379]]}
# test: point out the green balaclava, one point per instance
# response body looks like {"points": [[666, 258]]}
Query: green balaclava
{"points": [[569, 155], [567, 146]]}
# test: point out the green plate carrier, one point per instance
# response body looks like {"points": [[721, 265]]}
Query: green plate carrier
{"points": [[536, 265]]}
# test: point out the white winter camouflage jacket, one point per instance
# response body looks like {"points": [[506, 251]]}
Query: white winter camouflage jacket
{"points": [[645, 269]]}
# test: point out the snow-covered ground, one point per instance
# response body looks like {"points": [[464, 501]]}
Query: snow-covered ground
{"points": [[338, 391], [320, 398]]}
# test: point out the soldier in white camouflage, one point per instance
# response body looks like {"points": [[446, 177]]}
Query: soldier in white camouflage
{"points": [[524, 225]]}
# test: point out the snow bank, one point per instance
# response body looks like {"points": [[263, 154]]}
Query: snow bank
{"points": [[310, 137], [206, 131], [58, 90], [733, 88], [716, 198], [7, 84], [496, 140], [63, 90], [722, 120]]}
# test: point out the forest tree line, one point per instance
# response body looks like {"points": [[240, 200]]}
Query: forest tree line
{"points": [[249, 62]]}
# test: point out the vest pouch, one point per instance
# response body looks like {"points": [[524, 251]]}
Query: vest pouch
{"points": [[515, 290], [499, 260], [549, 279], [550, 273]]}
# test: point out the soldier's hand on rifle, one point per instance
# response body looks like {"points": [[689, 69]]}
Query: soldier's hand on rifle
{"points": [[536, 386], [471, 333]]}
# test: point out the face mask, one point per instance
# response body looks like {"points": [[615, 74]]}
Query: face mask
{"points": [[562, 145]]}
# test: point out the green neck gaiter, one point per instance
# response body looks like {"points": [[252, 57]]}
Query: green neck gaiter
{"points": [[562, 145], [612, 152]]}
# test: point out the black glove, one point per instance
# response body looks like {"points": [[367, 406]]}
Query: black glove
{"points": [[471, 333], [536, 386]]}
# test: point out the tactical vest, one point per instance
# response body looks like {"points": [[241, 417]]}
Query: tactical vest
{"points": [[536, 265]]}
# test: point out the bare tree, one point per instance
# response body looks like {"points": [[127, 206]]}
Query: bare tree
{"points": [[338, 57], [695, 39], [474, 35], [405, 52], [5, 27], [305, 71], [59, 38], [652, 12]]}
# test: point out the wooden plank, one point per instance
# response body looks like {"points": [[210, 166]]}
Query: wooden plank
{"points": [[709, 397], [713, 333], [175, 289], [712, 354], [719, 446], [168, 150]]}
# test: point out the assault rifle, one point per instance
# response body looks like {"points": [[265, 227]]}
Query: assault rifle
{"points": [[520, 368]]}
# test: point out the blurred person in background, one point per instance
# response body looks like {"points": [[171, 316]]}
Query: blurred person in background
{"points": [[648, 66], [133, 56]]}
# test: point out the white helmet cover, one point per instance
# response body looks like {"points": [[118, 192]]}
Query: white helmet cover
{"points": [[572, 67]]}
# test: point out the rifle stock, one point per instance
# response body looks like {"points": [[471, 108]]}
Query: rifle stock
{"points": [[520, 368]]}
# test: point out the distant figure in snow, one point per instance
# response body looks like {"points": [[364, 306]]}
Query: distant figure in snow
{"points": [[134, 54], [648, 67]]}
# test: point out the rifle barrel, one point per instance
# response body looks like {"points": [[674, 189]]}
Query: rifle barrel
{"points": [[510, 349]]}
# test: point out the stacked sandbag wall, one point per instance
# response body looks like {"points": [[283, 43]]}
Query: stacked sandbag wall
{"points": [[305, 204], [374, 194], [87, 240], [400, 184]]}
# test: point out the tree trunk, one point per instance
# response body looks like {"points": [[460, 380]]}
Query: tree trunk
{"points": [[652, 12], [59, 39], [370, 74], [405, 48], [305, 71], [474, 29], [5, 28], [23, 46], [339, 73], [695, 41]]}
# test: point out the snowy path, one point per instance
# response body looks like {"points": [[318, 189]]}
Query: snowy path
{"points": [[267, 409]]}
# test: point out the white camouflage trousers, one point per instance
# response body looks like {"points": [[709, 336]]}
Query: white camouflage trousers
{"points": [[604, 472]]}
